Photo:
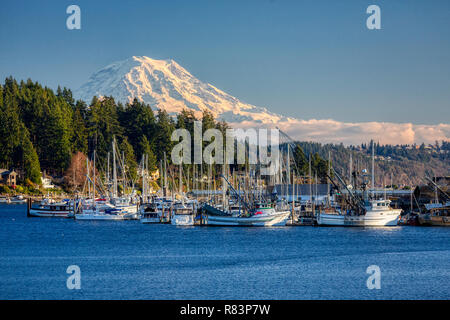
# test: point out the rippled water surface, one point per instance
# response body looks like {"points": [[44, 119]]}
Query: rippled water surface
{"points": [[128, 260]]}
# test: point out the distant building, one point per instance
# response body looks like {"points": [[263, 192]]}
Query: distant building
{"points": [[8, 177]]}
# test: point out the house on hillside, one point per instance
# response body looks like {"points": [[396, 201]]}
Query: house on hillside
{"points": [[8, 177]]}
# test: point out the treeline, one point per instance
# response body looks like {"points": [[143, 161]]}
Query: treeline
{"points": [[399, 165], [45, 130], [42, 130]]}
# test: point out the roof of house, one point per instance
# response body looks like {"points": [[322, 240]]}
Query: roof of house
{"points": [[5, 172]]}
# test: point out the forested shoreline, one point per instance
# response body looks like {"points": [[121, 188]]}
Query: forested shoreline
{"points": [[43, 130]]}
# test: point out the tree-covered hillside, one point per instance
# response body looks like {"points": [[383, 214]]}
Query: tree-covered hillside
{"points": [[45, 130]]}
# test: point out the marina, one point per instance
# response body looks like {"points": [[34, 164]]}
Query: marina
{"points": [[223, 155], [242, 198]]}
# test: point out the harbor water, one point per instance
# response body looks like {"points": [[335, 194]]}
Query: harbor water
{"points": [[130, 260]]}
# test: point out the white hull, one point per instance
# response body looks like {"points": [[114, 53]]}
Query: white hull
{"points": [[47, 213], [370, 219], [17, 201], [98, 217], [276, 219], [182, 220], [150, 220], [131, 216]]}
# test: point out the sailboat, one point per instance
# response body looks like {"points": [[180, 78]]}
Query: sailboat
{"points": [[117, 208], [183, 212]]}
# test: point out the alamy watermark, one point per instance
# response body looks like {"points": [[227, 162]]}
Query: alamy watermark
{"points": [[374, 280], [74, 280], [241, 146], [374, 20], [74, 20]]}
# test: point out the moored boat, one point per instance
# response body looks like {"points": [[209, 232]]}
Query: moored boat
{"points": [[436, 216], [378, 214], [17, 200], [47, 208], [261, 217], [183, 215], [149, 213]]}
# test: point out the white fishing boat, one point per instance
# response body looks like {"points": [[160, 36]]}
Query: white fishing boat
{"points": [[127, 207], [149, 213], [17, 200], [48, 208], [183, 214], [4, 200], [107, 212], [99, 216], [378, 214], [261, 217], [100, 209]]}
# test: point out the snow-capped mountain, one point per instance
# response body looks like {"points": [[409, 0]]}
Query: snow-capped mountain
{"points": [[166, 85]]}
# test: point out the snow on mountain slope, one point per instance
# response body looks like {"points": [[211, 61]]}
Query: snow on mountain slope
{"points": [[166, 85]]}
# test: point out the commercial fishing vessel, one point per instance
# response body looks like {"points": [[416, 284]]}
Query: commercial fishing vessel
{"points": [[378, 213], [259, 217], [360, 209], [183, 214], [243, 213]]}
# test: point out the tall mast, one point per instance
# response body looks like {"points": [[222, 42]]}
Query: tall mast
{"points": [[124, 177], [114, 169], [224, 185], [165, 174], [310, 178], [288, 166], [107, 175], [329, 174], [350, 169], [373, 169], [161, 177], [94, 177], [88, 177], [180, 179]]}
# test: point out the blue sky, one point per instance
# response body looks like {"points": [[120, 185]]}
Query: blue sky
{"points": [[306, 59]]}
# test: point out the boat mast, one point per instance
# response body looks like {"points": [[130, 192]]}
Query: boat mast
{"points": [[161, 177], [165, 174], [310, 179], [94, 177], [107, 175], [114, 169], [88, 177], [373, 170], [180, 182], [329, 174], [350, 169], [224, 186]]}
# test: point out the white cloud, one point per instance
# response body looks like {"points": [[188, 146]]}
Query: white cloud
{"points": [[332, 131]]}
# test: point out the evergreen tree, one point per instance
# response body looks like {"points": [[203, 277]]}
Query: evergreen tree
{"points": [[164, 128], [80, 135], [146, 149], [102, 125], [129, 158], [138, 120]]}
